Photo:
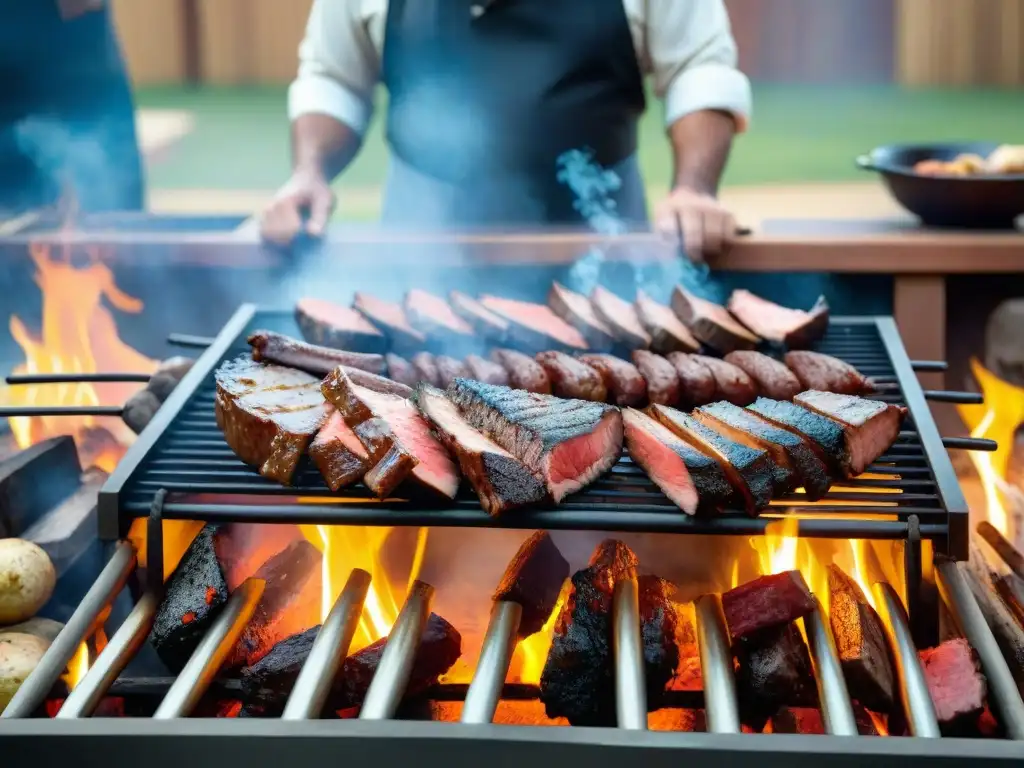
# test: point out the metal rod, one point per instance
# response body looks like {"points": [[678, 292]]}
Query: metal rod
{"points": [[628, 653], [495, 655], [917, 702], [836, 707], [968, 616], [929, 366], [1009, 553], [316, 677], [944, 396], [87, 695], [211, 652], [187, 340], [75, 378], [155, 543], [37, 686], [970, 443], [720, 703], [388, 684], [14, 411]]}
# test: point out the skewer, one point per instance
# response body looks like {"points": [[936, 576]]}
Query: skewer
{"points": [[87, 695], [1009, 553], [961, 398], [61, 410], [211, 652], [970, 444], [83, 621], [75, 378], [836, 706], [313, 684], [189, 341], [392, 676], [929, 366], [628, 655], [716, 666], [917, 702], [495, 656]]}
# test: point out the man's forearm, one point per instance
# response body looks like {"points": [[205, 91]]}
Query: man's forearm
{"points": [[700, 144], [323, 143]]}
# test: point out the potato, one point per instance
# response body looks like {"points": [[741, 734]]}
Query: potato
{"points": [[27, 579], [19, 655]]}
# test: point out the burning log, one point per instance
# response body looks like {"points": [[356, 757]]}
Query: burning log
{"points": [[774, 670], [35, 480], [1010, 587], [70, 529], [766, 602], [534, 579], [1010, 554], [861, 643], [266, 684], [804, 720], [1009, 635], [956, 686]]}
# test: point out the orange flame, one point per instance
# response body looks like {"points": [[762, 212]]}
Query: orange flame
{"points": [[77, 667], [78, 335], [532, 652]]}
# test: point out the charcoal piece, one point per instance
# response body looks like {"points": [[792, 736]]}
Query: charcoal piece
{"points": [[195, 594], [805, 720], [956, 686], [139, 410], [765, 603], [861, 643], [534, 579], [331, 325], [774, 670], [267, 684]]}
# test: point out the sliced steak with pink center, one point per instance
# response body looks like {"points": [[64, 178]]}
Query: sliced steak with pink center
{"points": [[535, 327], [667, 332], [623, 381], [792, 327], [955, 684], [621, 317], [501, 481], [396, 438], [487, 371], [338, 454], [870, 427], [566, 443], [827, 373], [523, 371], [487, 324], [577, 311], [332, 325], [711, 323], [390, 318], [772, 378], [693, 481], [572, 378], [824, 436], [434, 317]]}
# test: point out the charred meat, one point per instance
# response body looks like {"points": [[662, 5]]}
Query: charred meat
{"points": [[824, 436], [731, 382], [487, 324], [425, 366], [487, 371], [955, 684], [271, 347], [766, 602], [390, 318], [433, 316], [697, 385], [401, 370], [449, 369]]}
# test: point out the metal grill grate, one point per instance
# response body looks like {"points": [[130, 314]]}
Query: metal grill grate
{"points": [[183, 452]]}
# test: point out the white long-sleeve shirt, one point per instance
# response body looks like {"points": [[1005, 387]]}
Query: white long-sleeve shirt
{"points": [[686, 46]]}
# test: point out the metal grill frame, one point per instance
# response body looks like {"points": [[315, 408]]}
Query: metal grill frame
{"points": [[945, 523]]}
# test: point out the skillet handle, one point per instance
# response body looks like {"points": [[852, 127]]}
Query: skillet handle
{"points": [[865, 163]]}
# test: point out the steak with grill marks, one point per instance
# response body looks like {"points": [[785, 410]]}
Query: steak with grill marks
{"points": [[577, 311], [731, 382], [572, 378], [660, 375], [668, 334], [827, 373], [433, 316], [396, 438], [486, 371], [535, 327], [487, 324], [623, 381], [697, 384], [749, 469], [449, 369], [823, 435], [523, 371], [792, 327], [693, 481], [401, 370], [331, 325], [790, 452], [338, 454], [566, 443], [870, 427], [390, 318], [426, 368], [268, 414], [621, 317], [711, 323], [501, 481], [772, 378], [271, 347]]}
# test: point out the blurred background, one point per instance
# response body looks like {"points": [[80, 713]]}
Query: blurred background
{"points": [[833, 78]]}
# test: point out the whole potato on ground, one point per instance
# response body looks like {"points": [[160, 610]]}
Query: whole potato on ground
{"points": [[27, 579], [19, 655]]}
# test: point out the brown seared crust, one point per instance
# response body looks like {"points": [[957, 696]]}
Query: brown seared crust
{"points": [[426, 368], [772, 378], [577, 311], [815, 327], [330, 325], [271, 347], [523, 371], [697, 385], [827, 374], [711, 323], [621, 317], [377, 383], [625, 385], [571, 378], [731, 383], [668, 334], [660, 375], [389, 471], [339, 465]]}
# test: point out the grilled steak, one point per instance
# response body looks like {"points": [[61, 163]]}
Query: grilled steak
{"points": [[749, 469], [523, 371], [621, 317], [486, 371], [571, 378], [792, 327], [827, 373], [270, 347], [433, 317], [533, 580], [667, 332], [391, 320], [955, 684], [566, 443], [500, 480], [338, 454], [824, 436], [772, 378], [693, 481], [623, 381], [401, 370], [766, 602], [330, 325], [426, 368], [534, 327], [396, 438], [697, 385], [489, 326], [711, 323], [268, 414], [869, 426], [660, 375], [790, 453], [449, 369], [577, 311], [731, 382]]}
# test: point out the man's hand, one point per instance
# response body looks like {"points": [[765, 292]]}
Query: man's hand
{"points": [[707, 228], [306, 191]]}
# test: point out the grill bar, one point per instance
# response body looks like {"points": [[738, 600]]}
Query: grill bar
{"points": [[495, 656], [836, 708], [720, 703], [628, 655]]}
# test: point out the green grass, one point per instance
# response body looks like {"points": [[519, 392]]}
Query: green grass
{"points": [[798, 134]]}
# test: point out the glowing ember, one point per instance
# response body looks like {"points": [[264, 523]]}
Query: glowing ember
{"points": [[78, 335]]}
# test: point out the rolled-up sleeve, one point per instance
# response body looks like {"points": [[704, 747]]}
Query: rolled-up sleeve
{"points": [[338, 66], [693, 59]]}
